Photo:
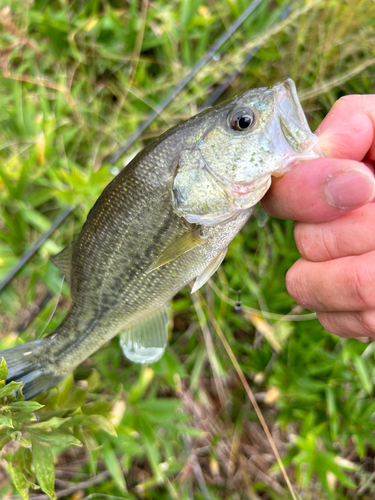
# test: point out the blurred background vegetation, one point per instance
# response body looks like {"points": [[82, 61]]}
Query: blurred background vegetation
{"points": [[77, 79]]}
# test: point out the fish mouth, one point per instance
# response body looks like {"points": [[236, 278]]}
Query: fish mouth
{"points": [[288, 105], [290, 130]]}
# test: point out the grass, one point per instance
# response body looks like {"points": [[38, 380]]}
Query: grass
{"points": [[77, 79]]}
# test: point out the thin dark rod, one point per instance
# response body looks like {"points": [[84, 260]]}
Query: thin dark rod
{"points": [[114, 157], [29, 253], [219, 91], [209, 102], [177, 89]]}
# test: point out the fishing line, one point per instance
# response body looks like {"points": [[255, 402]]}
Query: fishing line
{"points": [[258, 312], [249, 393], [54, 309]]}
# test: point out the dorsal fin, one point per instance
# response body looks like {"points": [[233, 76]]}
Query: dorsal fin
{"points": [[63, 261]]}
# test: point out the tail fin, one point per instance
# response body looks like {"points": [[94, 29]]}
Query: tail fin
{"points": [[24, 365]]}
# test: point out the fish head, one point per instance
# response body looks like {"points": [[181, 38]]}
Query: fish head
{"points": [[244, 142]]}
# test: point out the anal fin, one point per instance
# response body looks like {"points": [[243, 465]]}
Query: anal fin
{"points": [[185, 243], [146, 341], [211, 269]]}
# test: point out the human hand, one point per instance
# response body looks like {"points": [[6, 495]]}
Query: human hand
{"points": [[332, 201]]}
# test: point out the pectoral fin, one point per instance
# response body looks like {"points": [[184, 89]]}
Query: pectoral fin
{"points": [[63, 261], [185, 243], [146, 341], [211, 269]]}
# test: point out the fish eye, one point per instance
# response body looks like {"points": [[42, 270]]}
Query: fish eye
{"points": [[242, 119]]}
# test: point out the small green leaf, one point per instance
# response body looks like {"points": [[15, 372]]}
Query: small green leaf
{"points": [[103, 424], [29, 406], [44, 467], [57, 438], [6, 420], [3, 370], [113, 466], [19, 480], [24, 441], [88, 440], [22, 411], [97, 408], [52, 423], [363, 374], [20, 396], [4, 440], [9, 389], [93, 381]]}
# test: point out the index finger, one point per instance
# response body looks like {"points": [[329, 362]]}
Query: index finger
{"points": [[348, 131]]}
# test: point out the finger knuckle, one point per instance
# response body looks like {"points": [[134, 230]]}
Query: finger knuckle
{"points": [[302, 239], [316, 242], [329, 241], [367, 321], [328, 321], [291, 281], [295, 280], [364, 285]]}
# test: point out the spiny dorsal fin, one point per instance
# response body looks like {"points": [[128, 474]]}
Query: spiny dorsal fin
{"points": [[212, 267], [184, 244], [63, 261], [146, 341]]}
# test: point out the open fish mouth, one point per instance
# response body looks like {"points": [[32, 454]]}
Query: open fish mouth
{"points": [[288, 105], [293, 136]]}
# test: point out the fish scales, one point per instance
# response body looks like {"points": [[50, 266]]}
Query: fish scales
{"points": [[116, 243], [167, 218]]}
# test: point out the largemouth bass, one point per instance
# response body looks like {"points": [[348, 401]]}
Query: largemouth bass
{"points": [[166, 219]]}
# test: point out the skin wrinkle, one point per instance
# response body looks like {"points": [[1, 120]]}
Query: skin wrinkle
{"points": [[367, 319], [308, 249], [302, 246], [344, 323], [354, 233], [325, 240], [342, 284], [294, 286], [363, 281]]}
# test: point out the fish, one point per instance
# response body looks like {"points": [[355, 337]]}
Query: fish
{"points": [[166, 219]]}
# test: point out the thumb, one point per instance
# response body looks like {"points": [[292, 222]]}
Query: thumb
{"points": [[320, 190], [348, 129]]}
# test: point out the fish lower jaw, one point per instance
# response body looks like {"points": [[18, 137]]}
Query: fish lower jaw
{"points": [[245, 188], [291, 160], [247, 195]]}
